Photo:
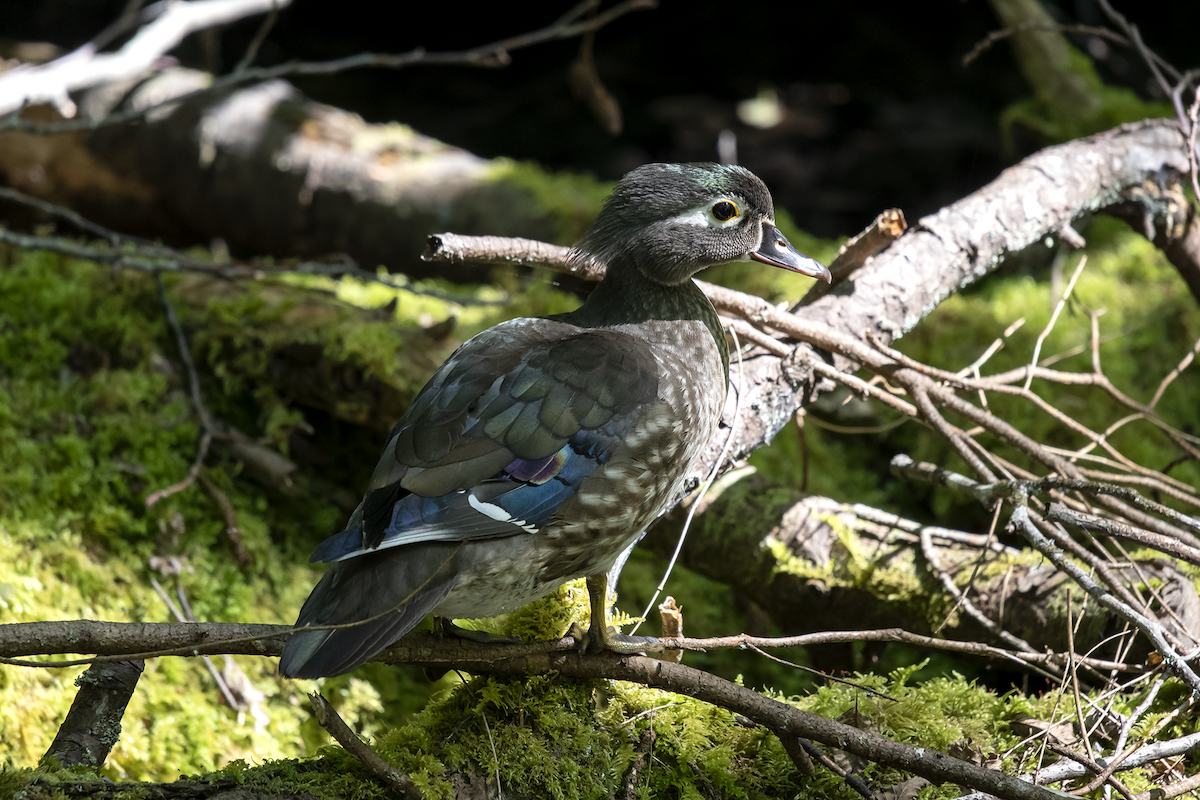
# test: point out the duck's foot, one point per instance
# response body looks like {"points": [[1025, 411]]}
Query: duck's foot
{"points": [[599, 636], [446, 627], [621, 643]]}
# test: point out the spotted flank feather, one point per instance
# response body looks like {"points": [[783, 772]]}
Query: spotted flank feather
{"points": [[497, 442]]}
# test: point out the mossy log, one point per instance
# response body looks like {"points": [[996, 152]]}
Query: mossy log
{"points": [[814, 564], [271, 173]]}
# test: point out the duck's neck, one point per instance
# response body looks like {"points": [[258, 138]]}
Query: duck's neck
{"points": [[625, 296]]}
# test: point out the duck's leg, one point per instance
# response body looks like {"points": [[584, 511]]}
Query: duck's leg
{"points": [[599, 636]]}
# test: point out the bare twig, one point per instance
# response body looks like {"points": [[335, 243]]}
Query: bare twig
{"points": [[1062, 302], [207, 426], [128, 20], [113, 641], [55, 85], [1108, 527], [807, 748], [455, 248], [1174, 373], [186, 616], [887, 227], [562, 656], [1157, 66], [65, 214], [85, 67], [985, 44], [333, 724], [142, 256], [961, 599], [244, 557], [260, 36], [1021, 523], [1168, 791]]}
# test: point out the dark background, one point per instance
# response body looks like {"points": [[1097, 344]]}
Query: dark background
{"points": [[880, 110]]}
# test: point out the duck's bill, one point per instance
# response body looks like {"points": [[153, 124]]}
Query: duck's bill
{"points": [[777, 251]]}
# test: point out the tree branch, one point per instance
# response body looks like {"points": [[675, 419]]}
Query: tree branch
{"points": [[93, 724], [429, 650], [51, 83], [83, 68]]}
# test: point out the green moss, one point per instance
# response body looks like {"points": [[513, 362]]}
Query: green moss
{"points": [[91, 422], [550, 736], [13, 780], [1114, 105], [569, 200]]}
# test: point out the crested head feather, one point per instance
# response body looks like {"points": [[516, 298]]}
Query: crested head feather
{"points": [[655, 220]]}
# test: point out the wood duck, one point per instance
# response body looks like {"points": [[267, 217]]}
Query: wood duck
{"points": [[544, 446]]}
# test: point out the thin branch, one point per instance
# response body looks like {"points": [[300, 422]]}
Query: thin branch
{"points": [[994, 37], [807, 748], [193, 473], [1020, 523], [911, 530], [887, 228], [455, 248], [1173, 374], [1187, 119], [1108, 527], [961, 599], [1007, 490], [181, 616], [1069, 769], [562, 657], [1165, 792], [1059, 306], [65, 214], [260, 36], [130, 16], [84, 68], [207, 426], [495, 54], [113, 641], [333, 724]]}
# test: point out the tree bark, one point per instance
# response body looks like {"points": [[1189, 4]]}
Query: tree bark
{"points": [[949, 250], [93, 724]]}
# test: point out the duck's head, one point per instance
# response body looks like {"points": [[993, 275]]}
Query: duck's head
{"points": [[669, 221]]}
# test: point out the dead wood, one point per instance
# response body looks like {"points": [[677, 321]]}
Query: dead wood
{"points": [[270, 172]]}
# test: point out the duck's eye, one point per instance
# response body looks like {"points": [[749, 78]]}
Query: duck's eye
{"points": [[724, 211]]}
